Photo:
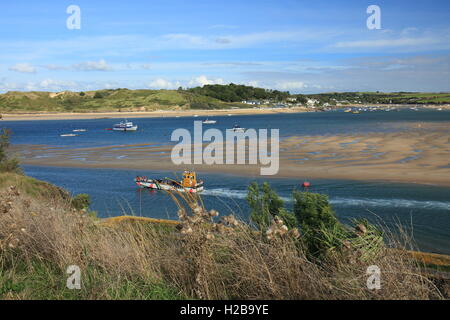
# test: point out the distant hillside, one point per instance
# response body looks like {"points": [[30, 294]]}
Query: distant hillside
{"points": [[383, 98], [108, 100], [206, 97], [237, 93]]}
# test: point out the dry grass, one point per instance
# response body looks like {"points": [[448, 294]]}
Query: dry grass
{"points": [[200, 258]]}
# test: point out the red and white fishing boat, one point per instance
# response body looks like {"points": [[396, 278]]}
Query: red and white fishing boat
{"points": [[189, 183]]}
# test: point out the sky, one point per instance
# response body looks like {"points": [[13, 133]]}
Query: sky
{"points": [[308, 46]]}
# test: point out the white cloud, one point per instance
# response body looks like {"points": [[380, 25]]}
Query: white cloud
{"points": [[23, 67], [401, 42], [291, 85], [163, 84], [100, 65], [50, 84], [203, 80], [52, 66]]}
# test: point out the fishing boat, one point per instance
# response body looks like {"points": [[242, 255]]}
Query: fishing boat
{"points": [[207, 121], [237, 128], [188, 183], [79, 130], [125, 126], [68, 135]]}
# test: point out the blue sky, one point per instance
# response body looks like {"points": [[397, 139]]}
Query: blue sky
{"points": [[300, 46]]}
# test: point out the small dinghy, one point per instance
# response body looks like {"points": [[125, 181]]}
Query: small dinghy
{"points": [[207, 121], [68, 135], [189, 183], [237, 128]]}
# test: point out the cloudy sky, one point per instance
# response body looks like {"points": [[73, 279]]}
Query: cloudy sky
{"points": [[300, 46]]}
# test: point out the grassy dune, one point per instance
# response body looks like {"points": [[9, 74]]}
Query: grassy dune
{"points": [[106, 100]]}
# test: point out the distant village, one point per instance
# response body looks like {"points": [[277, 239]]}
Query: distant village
{"points": [[289, 103]]}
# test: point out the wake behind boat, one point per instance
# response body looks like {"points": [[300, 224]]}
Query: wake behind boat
{"points": [[125, 126], [187, 184]]}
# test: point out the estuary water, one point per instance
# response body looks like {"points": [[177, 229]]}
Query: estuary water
{"points": [[423, 209]]}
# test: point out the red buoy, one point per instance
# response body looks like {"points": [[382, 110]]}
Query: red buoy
{"points": [[306, 184]]}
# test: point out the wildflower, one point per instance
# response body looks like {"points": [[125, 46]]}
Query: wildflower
{"points": [[294, 233], [213, 213], [186, 230], [209, 236], [346, 244], [360, 229], [220, 228]]}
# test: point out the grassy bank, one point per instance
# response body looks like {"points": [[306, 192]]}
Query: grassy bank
{"points": [[196, 258]]}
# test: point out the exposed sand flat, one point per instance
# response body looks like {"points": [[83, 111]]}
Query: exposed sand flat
{"points": [[147, 114], [419, 155]]}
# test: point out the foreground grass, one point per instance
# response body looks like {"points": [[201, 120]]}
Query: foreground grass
{"points": [[197, 259]]}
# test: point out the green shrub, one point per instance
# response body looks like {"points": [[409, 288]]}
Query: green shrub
{"points": [[7, 164], [265, 204], [81, 201]]}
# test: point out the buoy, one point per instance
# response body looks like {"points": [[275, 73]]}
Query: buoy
{"points": [[306, 184]]}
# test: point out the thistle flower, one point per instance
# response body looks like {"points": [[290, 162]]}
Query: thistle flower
{"points": [[360, 229], [213, 213], [186, 230]]}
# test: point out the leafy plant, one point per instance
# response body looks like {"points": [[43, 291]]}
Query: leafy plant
{"points": [[265, 205]]}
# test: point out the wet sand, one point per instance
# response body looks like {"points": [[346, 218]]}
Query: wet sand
{"points": [[419, 155], [147, 114]]}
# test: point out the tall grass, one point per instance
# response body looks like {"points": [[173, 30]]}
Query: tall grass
{"points": [[205, 257]]}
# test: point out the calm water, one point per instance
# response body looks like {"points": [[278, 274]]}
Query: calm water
{"points": [[425, 208], [159, 130]]}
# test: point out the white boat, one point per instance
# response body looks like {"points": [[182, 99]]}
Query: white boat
{"points": [[125, 126], [237, 128], [207, 121], [187, 184], [79, 130], [68, 135]]}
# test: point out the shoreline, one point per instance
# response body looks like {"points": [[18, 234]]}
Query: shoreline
{"points": [[26, 116], [147, 114]]}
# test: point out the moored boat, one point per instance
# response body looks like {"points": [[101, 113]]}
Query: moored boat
{"points": [[125, 126], [189, 183], [237, 128], [207, 121]]}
